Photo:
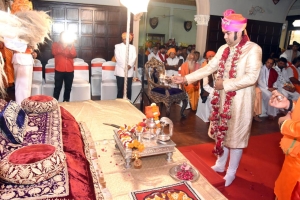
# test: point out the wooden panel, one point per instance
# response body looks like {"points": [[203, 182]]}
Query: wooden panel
{"points": [[86, 29], [58, 27], [86, 41], [58, 13], [113, 30], [100, 29], [113, 17], [265, 34], [73, 27], [113, 41], [270, 30], [100, 15], [100, 42], [86, 15], [100, 53], [72, 14], [86, 54]]}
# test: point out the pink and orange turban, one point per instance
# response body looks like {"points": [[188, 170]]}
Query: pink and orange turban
{"points": [[124, 36], [171, 50], [233, 22]]}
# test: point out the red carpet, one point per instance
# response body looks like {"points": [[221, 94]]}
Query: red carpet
{"points": [[259, 167]]}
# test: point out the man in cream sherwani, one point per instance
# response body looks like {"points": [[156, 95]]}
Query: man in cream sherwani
{"points": [[120, 55], [247, 68]]}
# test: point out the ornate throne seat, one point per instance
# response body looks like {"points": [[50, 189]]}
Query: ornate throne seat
{"points": [[161, 93]]}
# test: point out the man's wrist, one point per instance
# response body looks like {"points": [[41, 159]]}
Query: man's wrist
{"points": [[290, 105]]}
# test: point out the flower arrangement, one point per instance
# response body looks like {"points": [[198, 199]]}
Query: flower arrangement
{"points": [[152, 111], [184, 172], [220, 118], [136, 145]]}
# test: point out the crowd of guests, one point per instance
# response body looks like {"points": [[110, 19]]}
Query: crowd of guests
{"points": [[280, 72]]}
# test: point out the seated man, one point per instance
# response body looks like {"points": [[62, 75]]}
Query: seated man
{"points": [[295, 79], [192, 89], [266, 80], [153, 53], [283, 82]]}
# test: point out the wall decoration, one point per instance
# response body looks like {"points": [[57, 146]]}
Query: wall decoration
{"points": [[188, 25], [276, 1], [153, 22]]}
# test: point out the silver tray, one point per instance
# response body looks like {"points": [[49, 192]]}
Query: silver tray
{"points": [[174, 169]]}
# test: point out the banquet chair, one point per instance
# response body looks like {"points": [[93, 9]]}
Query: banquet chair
{"points": [[81, 89], [48, 86], [158, 92], [108, 83], [135, 90], [204, 109], [37, 79], [51, 61], [96, 72]]}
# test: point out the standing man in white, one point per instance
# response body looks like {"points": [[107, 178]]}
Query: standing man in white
{"points": [[238, 65], [120, 55]]}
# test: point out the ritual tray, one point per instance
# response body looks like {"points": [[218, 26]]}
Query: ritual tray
{"points": [[151, 148]]}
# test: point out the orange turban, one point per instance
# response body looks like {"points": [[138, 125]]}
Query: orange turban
{"points": [[171, 50], [233, 22], [124, 35], [210, 53]]}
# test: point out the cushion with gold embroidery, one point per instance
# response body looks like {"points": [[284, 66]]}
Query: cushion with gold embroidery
{"points": [[13, 122], [32, 164], [39, 104]]}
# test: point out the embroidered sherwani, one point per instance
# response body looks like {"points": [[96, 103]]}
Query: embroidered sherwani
{"points": [[248, 68]]}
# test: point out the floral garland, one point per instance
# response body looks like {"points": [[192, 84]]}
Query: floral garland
{"points": [[220, 119]]}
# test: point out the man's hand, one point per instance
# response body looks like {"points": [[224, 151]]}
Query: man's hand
{"points": [[128, 67], [290, 89], [272, 89], [219, 84], [178, 79], [282, 119], [277, 102]]}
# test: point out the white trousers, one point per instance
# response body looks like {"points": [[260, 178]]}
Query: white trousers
{"points": [[290, 95], [23, 81], [266, 95]]}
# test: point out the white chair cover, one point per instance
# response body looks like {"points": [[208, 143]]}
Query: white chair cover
{"points": [[204, 109], [136, 88], [109, 83], [81, 89], [51, 61], [96, 71], [37, 79], [78, 61], [48, 87]]}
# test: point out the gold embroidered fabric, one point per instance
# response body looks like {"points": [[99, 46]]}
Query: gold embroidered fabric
{"points": [[121, 181]]}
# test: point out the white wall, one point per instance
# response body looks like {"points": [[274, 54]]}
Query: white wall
{"points": [[171, 26], [295, 9], [273, 13], [99, 2]]}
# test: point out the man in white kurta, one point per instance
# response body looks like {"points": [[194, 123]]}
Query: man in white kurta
{"points": [[267, 78], [241, 110], [120, 55], [293, 53], [283, 83], [154, 53]]}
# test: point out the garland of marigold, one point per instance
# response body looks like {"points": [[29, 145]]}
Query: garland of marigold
{"points": [[218, 118]]}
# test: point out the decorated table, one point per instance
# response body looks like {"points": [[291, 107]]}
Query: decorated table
{"points": [[155, 171]]}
